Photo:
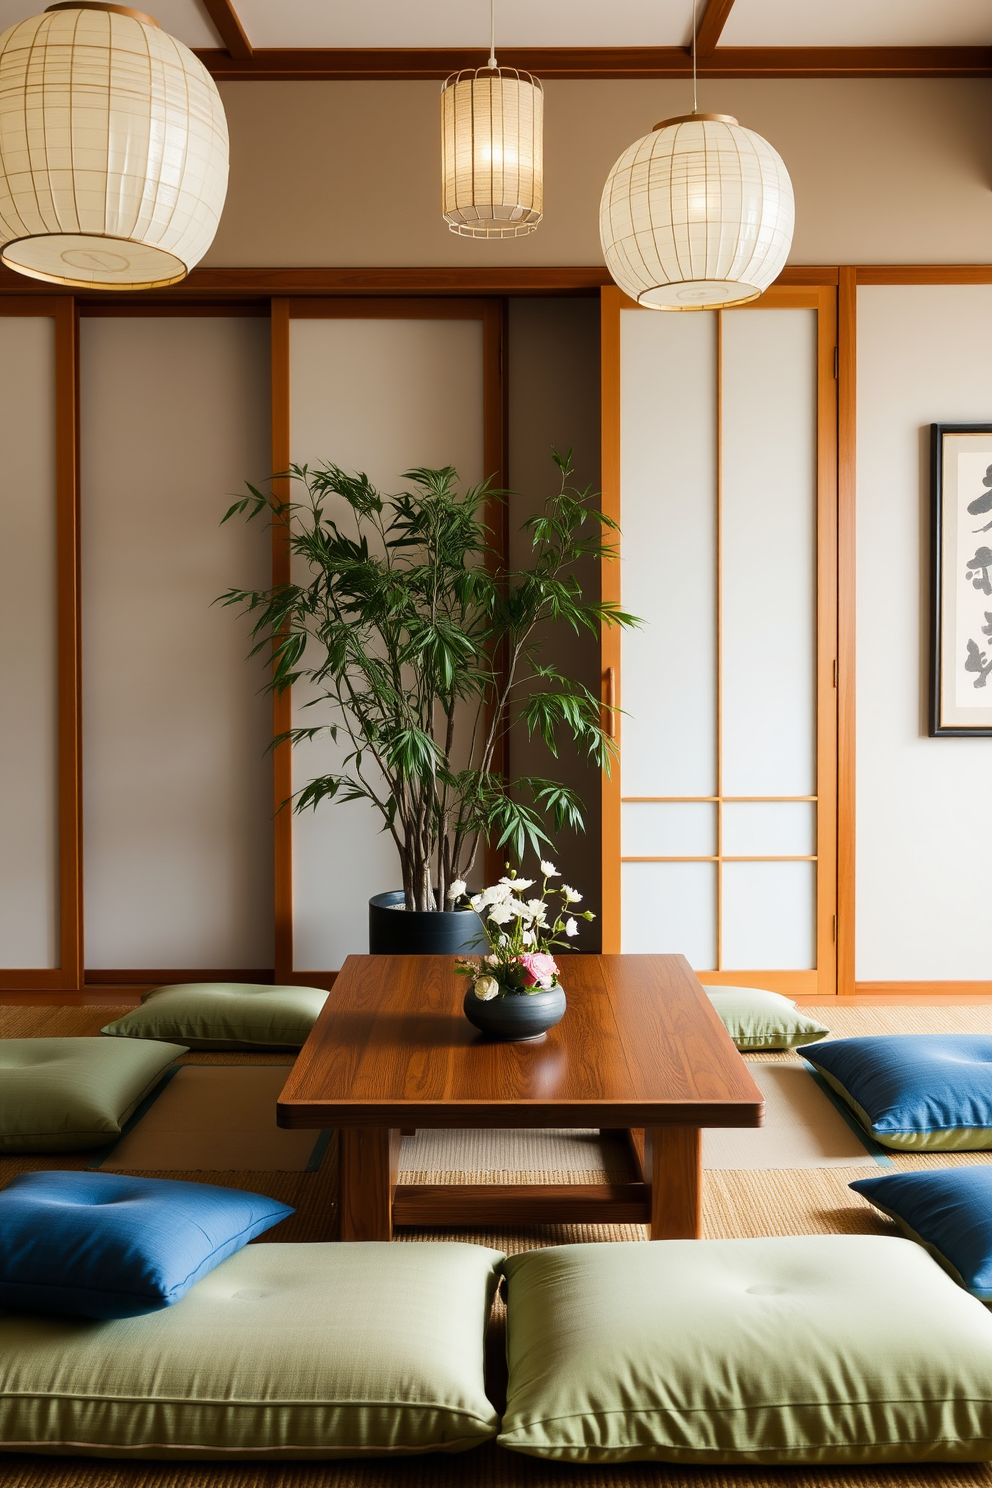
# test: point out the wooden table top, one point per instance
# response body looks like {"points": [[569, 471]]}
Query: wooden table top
{"points": [[639, 1045]]}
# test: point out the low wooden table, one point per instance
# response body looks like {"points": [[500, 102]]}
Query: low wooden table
{"points": [[640, 1047]]}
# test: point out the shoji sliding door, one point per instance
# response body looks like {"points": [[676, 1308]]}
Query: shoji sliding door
{"points": [[380, 386], [175, 417], [719, 460], [29, 799]]}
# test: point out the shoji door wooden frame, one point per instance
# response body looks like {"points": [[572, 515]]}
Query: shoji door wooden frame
{"points": [[68, 974], [822, 299], [492, 313]]}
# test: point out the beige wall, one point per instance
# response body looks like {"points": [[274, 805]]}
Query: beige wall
{"points": [[890, 170]]}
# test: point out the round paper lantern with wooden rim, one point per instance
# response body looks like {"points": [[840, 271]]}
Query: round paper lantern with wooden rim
{"points": [[697, 215], [113, 150]]}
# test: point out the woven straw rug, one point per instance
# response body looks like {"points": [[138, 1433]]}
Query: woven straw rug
{"points": [[735, 1203]]}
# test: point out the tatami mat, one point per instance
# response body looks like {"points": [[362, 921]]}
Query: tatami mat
{"points": [[215, 1118], [741, 1202]]}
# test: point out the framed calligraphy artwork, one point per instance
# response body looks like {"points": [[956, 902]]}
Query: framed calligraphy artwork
{"points": [[961, 580]]}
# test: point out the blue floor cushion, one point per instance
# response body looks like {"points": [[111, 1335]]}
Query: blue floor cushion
{"points": [[915, 1092], [949, 1210], [284, 1351], [102, 1245], [64, 1094]]}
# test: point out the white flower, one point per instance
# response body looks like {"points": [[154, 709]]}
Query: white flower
{"points": [[521, 910], [486, 988], [538, 910], [493, 895], [571, 928], [500, 913], [516, 885], [549, 870], [490, 960], [457, 889], [529, 938], [571, 895]]}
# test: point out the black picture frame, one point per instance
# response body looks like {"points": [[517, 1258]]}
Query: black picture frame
{"points": [[953, 651]]}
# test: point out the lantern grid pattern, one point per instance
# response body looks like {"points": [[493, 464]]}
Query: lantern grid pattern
{"points": [[113, 151], [696, 215], [492, 153]]}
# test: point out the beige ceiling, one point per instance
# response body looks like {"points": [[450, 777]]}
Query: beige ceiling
{"points": [[571, 23]]}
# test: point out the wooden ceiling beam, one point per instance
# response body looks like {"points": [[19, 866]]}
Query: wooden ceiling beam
{"points": [[229, 28], [711, 26], [550, 63]]}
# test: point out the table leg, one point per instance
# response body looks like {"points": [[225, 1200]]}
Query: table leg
{"points": [[676, 1182], [368, 1158]]}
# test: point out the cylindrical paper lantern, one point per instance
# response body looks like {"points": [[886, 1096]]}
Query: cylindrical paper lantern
{"points": [[697, 215], [492, 153], [113, 150]]}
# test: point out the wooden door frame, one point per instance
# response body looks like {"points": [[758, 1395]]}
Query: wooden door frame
{"points": [[823, 298]]}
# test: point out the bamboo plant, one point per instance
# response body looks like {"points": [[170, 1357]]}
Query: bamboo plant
{"points": [[421, 650]]}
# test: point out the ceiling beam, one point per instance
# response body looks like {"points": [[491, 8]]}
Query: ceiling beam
{"points": [[711, 26], [229, 28], [404, 64]]}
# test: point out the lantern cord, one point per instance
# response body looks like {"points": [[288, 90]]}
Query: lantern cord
{"points": [[492, 35], [694, 108]]}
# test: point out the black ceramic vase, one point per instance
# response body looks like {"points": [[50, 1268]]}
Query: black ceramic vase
{"points": [[522, 1015], [395, 931]]}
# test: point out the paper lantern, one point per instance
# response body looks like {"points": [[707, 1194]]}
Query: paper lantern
{"points": [[697, 215], [492, 153], [113, 150]]}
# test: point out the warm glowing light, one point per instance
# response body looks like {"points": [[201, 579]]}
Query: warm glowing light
{"points": [[697, 215], [113, 150]]}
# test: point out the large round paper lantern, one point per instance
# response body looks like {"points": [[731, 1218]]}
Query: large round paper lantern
{"points": [[113, 150], [492, 153], [697, 215]]}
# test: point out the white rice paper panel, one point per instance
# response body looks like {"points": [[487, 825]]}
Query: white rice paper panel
{"points": [[177, 784], [668, 517], [29, 856], [670, 909], [769, 552], [668, 829], [382, 396], [769, 828], [769, 918]]}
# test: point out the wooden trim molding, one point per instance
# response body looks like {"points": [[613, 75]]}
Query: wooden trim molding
{"points": [[610, 581], [406, 64], [282, 707], [978, 991], [922, 273], [847, 332], [143, 976], [70, 741], [247, 284]]}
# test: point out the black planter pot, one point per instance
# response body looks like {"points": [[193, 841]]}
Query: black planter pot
{"points": [[412, 932], [524, 1015]]}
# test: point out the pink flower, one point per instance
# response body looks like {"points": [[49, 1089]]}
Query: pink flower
{"points": [[540, 969]]}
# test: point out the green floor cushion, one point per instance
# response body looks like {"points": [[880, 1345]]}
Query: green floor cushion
{"points": [[282, 1351], [64, 1094], [820, 1349], [756, 1019], [224, 1015]]}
